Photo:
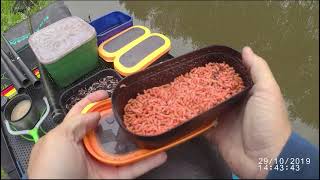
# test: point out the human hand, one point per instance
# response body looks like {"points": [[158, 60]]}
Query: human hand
{"points": [[258, 128], [60, 154]]}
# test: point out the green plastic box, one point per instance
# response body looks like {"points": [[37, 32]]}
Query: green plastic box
{"points": [[67, 49]]}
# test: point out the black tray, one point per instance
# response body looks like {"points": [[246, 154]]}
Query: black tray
{"points": [[65, 96]]}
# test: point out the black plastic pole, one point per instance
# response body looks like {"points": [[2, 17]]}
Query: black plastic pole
{"points": [[14, 80], [57, 113], [34, 80], [20, 76]]}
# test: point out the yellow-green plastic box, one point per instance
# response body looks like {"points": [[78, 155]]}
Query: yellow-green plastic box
{"points": [[67, 49]]}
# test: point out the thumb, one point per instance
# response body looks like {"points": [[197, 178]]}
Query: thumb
{"points": [[259, 69], [81, 124]]}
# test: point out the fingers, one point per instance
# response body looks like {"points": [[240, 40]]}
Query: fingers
{"points": [[259, 69], [93, 97], [139, 168], [81, 124]]}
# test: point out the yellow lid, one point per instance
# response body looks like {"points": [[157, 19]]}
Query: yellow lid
{"points": [[140, 56], [122, 42]]}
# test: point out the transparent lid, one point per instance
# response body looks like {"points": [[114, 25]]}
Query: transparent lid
{"points": [[58, 39], [110, 144], [112, 138]]}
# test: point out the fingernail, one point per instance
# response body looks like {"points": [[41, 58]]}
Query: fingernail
{"points": [[163, 156], [248, 48]]}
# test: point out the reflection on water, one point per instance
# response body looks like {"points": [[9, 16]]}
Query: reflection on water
{"points": [[285, 33]]}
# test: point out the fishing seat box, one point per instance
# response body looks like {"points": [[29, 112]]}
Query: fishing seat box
{"points": [[67, 49]]}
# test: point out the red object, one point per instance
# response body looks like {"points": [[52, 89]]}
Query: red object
{"points": [[165, 107]]}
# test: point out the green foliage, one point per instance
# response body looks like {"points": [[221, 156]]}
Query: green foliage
{"points": [[9, 18], [3, 174]]}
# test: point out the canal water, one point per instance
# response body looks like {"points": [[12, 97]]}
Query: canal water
{"points": [[284, 33]]}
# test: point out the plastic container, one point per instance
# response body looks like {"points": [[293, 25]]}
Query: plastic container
{"points": [[122, 42], [29, 120], [66, 48], [165, 73], [110, 144], [134, 49], [142, 55], [69, 93], [110, 25]]}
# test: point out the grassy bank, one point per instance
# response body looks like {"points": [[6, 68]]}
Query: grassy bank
{"points": [[9, 18]]}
